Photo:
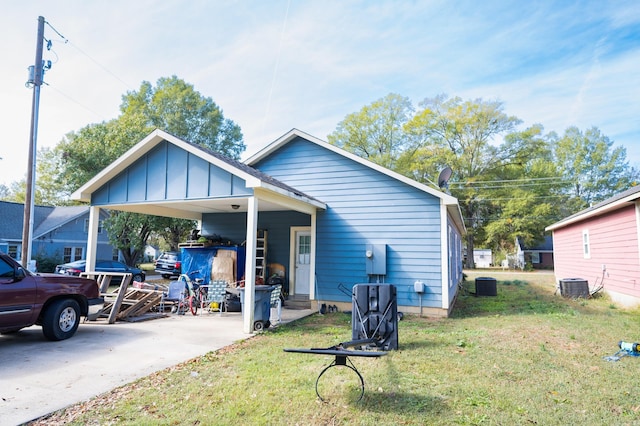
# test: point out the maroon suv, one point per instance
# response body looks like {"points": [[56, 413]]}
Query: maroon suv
{"points": [[56, 302]]}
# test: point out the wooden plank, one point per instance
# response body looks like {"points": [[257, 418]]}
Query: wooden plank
{"points": [[139, 304], [126, 279]]}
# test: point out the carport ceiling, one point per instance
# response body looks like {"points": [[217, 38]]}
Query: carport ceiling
{"points": [[194, 209]]}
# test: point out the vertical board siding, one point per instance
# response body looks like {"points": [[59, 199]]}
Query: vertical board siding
{"points": [[364, 207], [168, 172], [198, 175], [613, 241], [177, 167], [156, 175]]}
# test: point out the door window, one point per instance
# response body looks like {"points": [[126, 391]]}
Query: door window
{"points": [[304, 249]]}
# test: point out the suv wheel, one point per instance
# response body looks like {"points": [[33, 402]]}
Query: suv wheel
{"points": [[61, 319]]}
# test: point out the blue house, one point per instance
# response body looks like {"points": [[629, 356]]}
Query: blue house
{"points": [[59, 233], [331, 218]]}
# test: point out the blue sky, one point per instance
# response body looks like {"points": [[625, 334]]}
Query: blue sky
{"points": [[279, 64]]}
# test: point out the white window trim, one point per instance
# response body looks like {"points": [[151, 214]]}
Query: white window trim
{"points": [[86, 226], [586, 244], [73, 250]]}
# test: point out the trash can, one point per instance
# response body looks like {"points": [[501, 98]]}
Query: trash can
{"points": [[486, 286], [262, 308], [375, 314]]}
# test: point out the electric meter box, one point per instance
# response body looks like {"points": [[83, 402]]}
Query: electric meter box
{"points": [[376, 259]]}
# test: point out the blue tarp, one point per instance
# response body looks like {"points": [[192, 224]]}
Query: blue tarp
{"points": [[197, 261]]}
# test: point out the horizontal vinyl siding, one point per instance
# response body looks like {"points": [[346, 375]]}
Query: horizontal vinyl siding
{"points": [[71, 234], [233, 226], [613, 242], [364, 207]]}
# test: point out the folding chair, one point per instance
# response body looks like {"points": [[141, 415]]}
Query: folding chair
{"points": [[276, 302], [176, 296], [216, 292]]}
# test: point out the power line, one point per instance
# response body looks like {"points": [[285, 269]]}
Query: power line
{"points": [[100, 116], [104, 68], [505, 186], [521, 198], [478, 182]]}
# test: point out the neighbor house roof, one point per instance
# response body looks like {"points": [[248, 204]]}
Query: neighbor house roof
{"points": [[610, 204], [45, 219], [451, 202], [545, 245], [58, 217]]}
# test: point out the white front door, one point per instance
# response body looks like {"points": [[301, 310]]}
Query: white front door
{"points": [[302, 278]]}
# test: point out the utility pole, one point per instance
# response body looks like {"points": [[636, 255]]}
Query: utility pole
{"points": [[36, 80]]}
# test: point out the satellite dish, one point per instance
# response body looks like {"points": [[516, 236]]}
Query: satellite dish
{"points": [[444, 177]]}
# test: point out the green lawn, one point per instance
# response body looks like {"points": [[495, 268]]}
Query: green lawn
{"points": [[522, 357]]}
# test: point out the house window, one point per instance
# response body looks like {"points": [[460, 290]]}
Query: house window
{"points": [[114, 254], [86, 226], [535, 257], [13, 251], [71, 254], [586, 250]]}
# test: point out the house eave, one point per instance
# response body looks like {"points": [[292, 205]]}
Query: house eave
{"points": [[616, 205], [144, 146], [451, 202]]}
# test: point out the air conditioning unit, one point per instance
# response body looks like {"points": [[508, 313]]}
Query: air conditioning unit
{"points": [[574, 288]]}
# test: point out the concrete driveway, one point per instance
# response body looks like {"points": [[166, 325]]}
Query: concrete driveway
{"points": [[38, 377]]}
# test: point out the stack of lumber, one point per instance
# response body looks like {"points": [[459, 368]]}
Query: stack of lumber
{"points": [[126, 303], [137, 304]]}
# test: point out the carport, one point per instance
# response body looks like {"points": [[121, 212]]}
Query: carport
{"points": [[164, 175]]}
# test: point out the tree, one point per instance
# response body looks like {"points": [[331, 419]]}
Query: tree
{"points": [[595, 169], [464, 135], [4, 192], [173, 106], [129, 233], [173, 231], [47, 192], [526, 196], [376, 131]]}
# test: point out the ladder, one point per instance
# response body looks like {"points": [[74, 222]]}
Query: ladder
{"points": [[261, 255]]}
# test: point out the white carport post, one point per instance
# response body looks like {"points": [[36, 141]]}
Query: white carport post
{"points": [[250, 265], [92, 239]]}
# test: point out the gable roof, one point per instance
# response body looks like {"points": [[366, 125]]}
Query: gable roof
{"points": [[610, 204], [45, 219], [253, 179], [58, 217], [544, 245], [448, 200]]}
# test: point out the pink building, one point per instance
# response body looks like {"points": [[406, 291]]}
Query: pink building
{"points": [[600, 245]]}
